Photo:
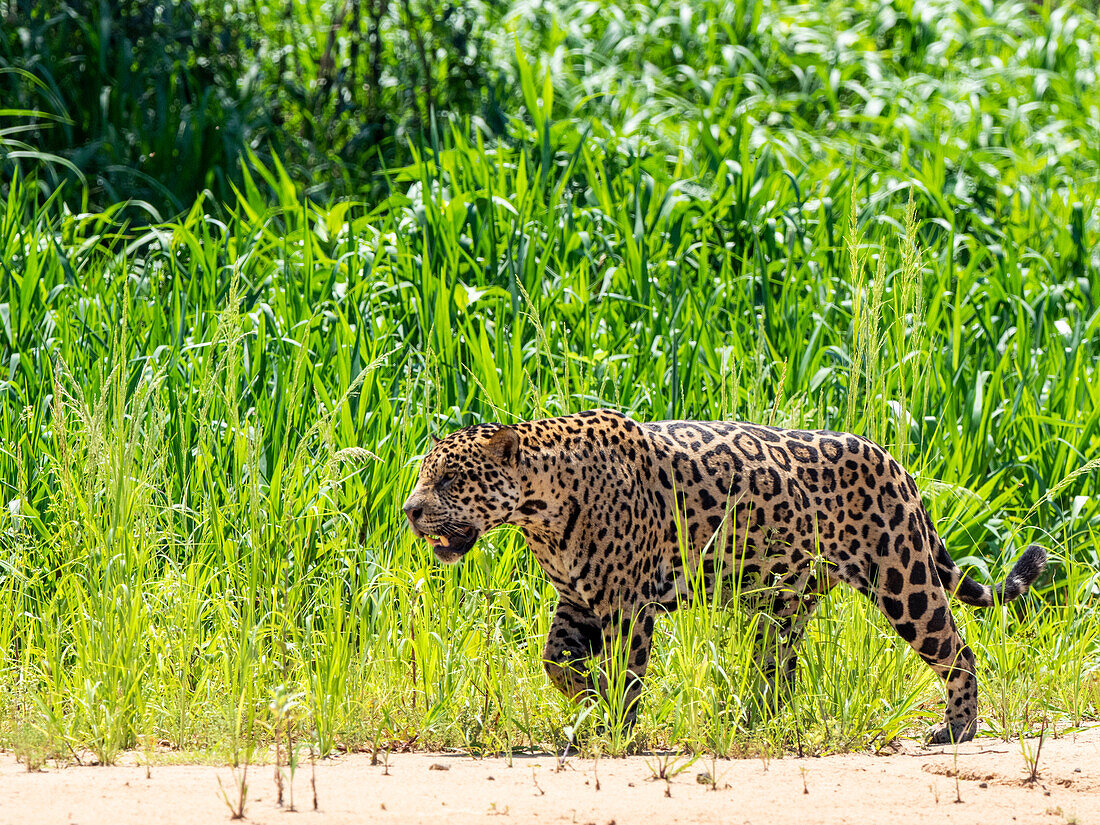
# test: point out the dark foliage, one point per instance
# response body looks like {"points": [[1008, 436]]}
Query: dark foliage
{"points": [[145, 100], [158, 101]]}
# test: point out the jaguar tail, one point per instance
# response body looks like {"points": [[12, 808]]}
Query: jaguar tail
{"points": [[1027, 569]]}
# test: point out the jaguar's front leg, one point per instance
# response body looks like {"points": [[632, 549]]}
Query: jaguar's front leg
{"points": [[576, 635]]}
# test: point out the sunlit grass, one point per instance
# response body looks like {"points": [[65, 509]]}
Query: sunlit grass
{"points": [[207, 425]]}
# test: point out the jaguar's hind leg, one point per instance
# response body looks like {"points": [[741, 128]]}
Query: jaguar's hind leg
{"points": [[782, 611], [917, 607], [776, 654]]}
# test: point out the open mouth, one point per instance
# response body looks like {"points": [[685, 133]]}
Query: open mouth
{"points": [[452, 545]]}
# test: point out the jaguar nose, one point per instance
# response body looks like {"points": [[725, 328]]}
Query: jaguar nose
{"points": [[413, 511]]}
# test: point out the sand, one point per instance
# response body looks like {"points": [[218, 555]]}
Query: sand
{"points": [[913, 785]]}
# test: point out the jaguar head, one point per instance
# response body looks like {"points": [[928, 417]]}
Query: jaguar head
{"points": [[468, 484]]}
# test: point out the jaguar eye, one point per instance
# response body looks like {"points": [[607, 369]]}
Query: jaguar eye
{"points": [[445, 482]]}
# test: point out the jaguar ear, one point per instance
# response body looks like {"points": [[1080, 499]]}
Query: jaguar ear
{"points": [[503, 445]]}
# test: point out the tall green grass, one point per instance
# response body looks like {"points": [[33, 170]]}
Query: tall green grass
{"points": [[207, 425]]}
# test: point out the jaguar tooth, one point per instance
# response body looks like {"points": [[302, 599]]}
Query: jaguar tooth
{"points": [[446, 542]]}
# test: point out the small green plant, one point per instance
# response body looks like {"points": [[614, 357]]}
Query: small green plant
{"points": [[285, 708], [148, 748], [32, 747], [664, 767], [955, 772], [236, 804], [1031, 757]]}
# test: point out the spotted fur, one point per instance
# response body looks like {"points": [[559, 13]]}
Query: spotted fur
{"points": [[624, 517]]}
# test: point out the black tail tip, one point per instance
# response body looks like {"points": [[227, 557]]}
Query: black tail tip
{"points": [[1030, 565]]}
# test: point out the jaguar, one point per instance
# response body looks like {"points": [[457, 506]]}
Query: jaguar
{"points": [[628, 519]]}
